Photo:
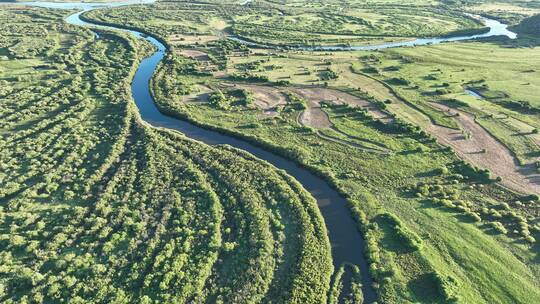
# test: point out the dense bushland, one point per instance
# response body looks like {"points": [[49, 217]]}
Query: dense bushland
{"points": [[529, 26], [97, 207]]}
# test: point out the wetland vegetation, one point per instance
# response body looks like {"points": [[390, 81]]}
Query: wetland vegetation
{"points": [[435, 149]]}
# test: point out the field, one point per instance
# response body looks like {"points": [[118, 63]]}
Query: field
{"points": [[436, 149], [493, 84], [291, 25]]}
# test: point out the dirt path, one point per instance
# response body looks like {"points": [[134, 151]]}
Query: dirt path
{"points": [[481, 149], [318, 95], [266, 98], [496, 157], [315, 117]]}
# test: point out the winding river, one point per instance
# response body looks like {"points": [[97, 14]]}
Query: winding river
{"points": [[347, 242], [495, 29]]}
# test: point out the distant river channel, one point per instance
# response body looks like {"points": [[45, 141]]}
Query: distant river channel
{"points": [[495, 28]]}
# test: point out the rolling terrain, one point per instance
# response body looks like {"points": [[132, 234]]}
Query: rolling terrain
{"points": [[277, 174]]}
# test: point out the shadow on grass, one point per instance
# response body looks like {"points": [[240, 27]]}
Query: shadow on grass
{"points": [[390, 240], [489, 230], [426, 289], [523, 41], [431, 173]]}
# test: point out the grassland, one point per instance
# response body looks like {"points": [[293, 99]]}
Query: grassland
{"points": [[362, 25], [505, 102], [401, 273], [96, 206], [320, 23], [506, 86]]}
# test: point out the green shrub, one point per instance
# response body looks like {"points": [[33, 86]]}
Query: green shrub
{"points": [[408, 238], [499, 227], [448, 287]]}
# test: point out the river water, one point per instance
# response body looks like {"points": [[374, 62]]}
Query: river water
{"points": [[347, 242], [495, 29], [473, 93]]}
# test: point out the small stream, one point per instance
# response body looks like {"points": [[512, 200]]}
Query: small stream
{"points": [[473, 93], [347, 242]]}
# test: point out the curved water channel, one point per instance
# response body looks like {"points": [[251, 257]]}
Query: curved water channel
{"points": [[495, 29], [347, 242]]}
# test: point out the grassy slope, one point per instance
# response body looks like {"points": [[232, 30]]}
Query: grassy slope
{"points": [[499, 74], [332, 23]]}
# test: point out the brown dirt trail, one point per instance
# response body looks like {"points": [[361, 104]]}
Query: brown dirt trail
{"points": [[485, 151]]}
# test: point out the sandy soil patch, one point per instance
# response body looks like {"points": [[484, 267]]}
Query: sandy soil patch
{"points": [[318, 95], [496, 157], [179, 39], [315, 117], [202, 95], [194, 54], [266, 98]]}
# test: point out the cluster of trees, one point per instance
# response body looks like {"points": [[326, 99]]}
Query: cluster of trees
{"points": [[408, 238], [251, 66], [294, 103], [444, 191], [243, 96], [448, 287], [248, 77], [220, 100], [385, 264], [225, 100], [256, 207], [354, 294], [176, 78], [529, 26], [328, 74]]}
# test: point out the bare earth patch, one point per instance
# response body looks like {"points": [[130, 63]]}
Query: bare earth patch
{"points": [[205, 64], [315, 117], [180, 39], [194, 54], [496, 157], [481, 149], [267, 98], [318, 95]]}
